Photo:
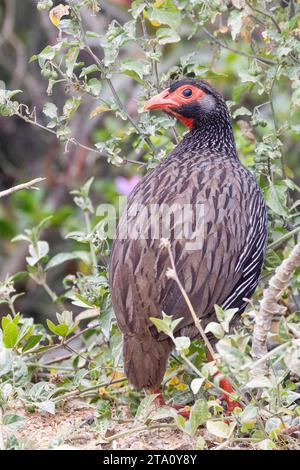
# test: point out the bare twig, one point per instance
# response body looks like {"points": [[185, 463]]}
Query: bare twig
{"points": [[265, 14], [172, 274], [269, 306], [109, 81], [117, 99], [76, 393], [140, 429], [58, 346], [71, 140], [282, 239], [19, 187], [236, 51]]}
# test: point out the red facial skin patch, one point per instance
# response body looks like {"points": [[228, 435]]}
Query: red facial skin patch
{"points": [[167, 101], [189, 122]]}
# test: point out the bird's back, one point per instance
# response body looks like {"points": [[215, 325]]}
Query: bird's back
{"points": [[221, 266]]}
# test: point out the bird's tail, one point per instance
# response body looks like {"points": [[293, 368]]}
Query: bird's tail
{"points": [[145, 359]]}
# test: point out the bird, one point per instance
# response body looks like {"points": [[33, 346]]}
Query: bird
{"points": [[224, 263]]}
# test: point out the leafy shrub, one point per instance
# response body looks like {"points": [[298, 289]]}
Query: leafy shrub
{"points": [[251, 51]]}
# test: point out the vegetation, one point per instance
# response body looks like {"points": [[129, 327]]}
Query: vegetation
{"points": [[98, 63]]}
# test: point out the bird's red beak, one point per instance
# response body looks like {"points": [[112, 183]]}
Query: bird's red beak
{"points": [[162, 100]]}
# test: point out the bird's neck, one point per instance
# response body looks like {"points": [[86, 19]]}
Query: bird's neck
{"points": [[212, 135]]}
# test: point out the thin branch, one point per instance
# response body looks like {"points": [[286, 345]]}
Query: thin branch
{"points": [[117, 99], [282, 239], [19, 187], [57, 346], [108, 80], [236, 51], [72, 140], [265, 14], [273, 352], [172, 274], [140, 429], [76, 393]]}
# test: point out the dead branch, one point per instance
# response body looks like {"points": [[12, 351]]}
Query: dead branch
{"points": [[28, 185], [269, 305]]}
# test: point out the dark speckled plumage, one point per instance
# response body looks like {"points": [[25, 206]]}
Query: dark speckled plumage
{"points": [[202, 169]]}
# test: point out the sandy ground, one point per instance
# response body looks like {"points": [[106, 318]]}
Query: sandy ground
{"points": [[71, 427]]}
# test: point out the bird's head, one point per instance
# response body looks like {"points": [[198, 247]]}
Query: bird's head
{"points": [[193, 101]]}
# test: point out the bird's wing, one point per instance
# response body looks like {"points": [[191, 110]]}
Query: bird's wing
{"points": [[210, 273]]}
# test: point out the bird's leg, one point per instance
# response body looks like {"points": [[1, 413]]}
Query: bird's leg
{"points": [[181, 409], [225, 384]]}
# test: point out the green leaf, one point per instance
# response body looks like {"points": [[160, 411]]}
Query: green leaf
{"points": [[181, 423], [225, 316], [246, 77], [87, 186], [12, 422], [10, 335], [182, 344], [135, 69], [163, 413], [235, 22], [5, 321], [94, 86], [145, 407], [137, 7], [70, 60], [292, 359], [275, 197], [50, 110], [161, 325], [295, 328], [167, 14], [218, 428], [47, 406], [71, 106], [105, 321], [87, 70], [48, 53], [200, 443], [249, 413], [242, 111], [62, 330], [92, 34], [167, 36], [196, 384], [37, 252], [166, 324], [198, 415], [259, 382], [63, 257], [216, 329], [32, 342], [266, 444], [51, 326]]}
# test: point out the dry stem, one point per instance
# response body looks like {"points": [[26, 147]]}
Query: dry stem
{"points": [[173, 275], [28, 185], [269, 306]]}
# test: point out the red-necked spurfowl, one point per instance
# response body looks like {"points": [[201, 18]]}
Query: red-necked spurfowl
{"points": [[204, 170]]}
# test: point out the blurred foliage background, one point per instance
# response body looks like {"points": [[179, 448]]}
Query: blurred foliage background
{"points": [[74, 76]]}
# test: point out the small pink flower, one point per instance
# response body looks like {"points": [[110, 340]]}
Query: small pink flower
{"points": [[124, 186]]}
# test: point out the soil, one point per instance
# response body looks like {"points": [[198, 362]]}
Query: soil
{"points": [[71, 427]]}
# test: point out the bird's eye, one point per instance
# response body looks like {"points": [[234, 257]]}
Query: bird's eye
{"points": [[187, 92]]}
